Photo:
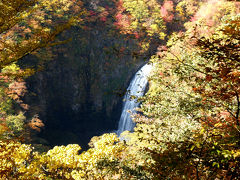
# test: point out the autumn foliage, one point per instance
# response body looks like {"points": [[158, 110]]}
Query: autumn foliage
{"points": [[188, 127]]}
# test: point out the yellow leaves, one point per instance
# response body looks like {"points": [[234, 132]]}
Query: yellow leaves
{"points": [[135, 24], [63, 162], [78, 175], [30, 26], [180, 9], [143, 17], [25, 15], [13, 154], [56, 4], [22, 154], [106, 139], [13, 11], [46, 30], [154, 27], [218, 125], [18, 160], [64, 156], [13, 68], [106, 147], [236, 153]]}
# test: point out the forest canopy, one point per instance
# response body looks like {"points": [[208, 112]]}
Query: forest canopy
{"points": [[188, 125]]}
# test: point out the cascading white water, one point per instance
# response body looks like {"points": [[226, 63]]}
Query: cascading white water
{"points": [[136, 88]]}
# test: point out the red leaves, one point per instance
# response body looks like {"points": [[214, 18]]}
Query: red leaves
{"points": [[161, 74], [119, 16], [136, 35], [104, 19], [223, 121], [123, 23], [208, 77], [92, 13], [166, 11]]}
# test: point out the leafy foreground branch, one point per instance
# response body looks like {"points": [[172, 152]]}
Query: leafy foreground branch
{"points": [[64, 162]]}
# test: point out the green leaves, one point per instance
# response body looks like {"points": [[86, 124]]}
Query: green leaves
{"points": [[16, 122]]}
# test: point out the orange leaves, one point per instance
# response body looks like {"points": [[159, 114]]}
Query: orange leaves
{"points": [[3, 127], [17, 89], [34, 23], [4, 78], [235, 76], [27, 30], [222, 122], [36, 123], [235, 73]]}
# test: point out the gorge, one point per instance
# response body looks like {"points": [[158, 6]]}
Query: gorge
{"points": [[79, 94], [78, 91]]}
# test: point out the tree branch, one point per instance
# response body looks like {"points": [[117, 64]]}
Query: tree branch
{"points": [[238, 108]]}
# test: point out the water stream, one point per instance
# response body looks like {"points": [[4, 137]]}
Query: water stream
{"points": [[136, 88]]}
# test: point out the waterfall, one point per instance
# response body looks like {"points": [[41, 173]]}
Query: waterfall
{"points": [[136, 88]]}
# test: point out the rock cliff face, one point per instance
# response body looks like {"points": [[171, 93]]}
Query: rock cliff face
{"points": [[79, 93]]}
